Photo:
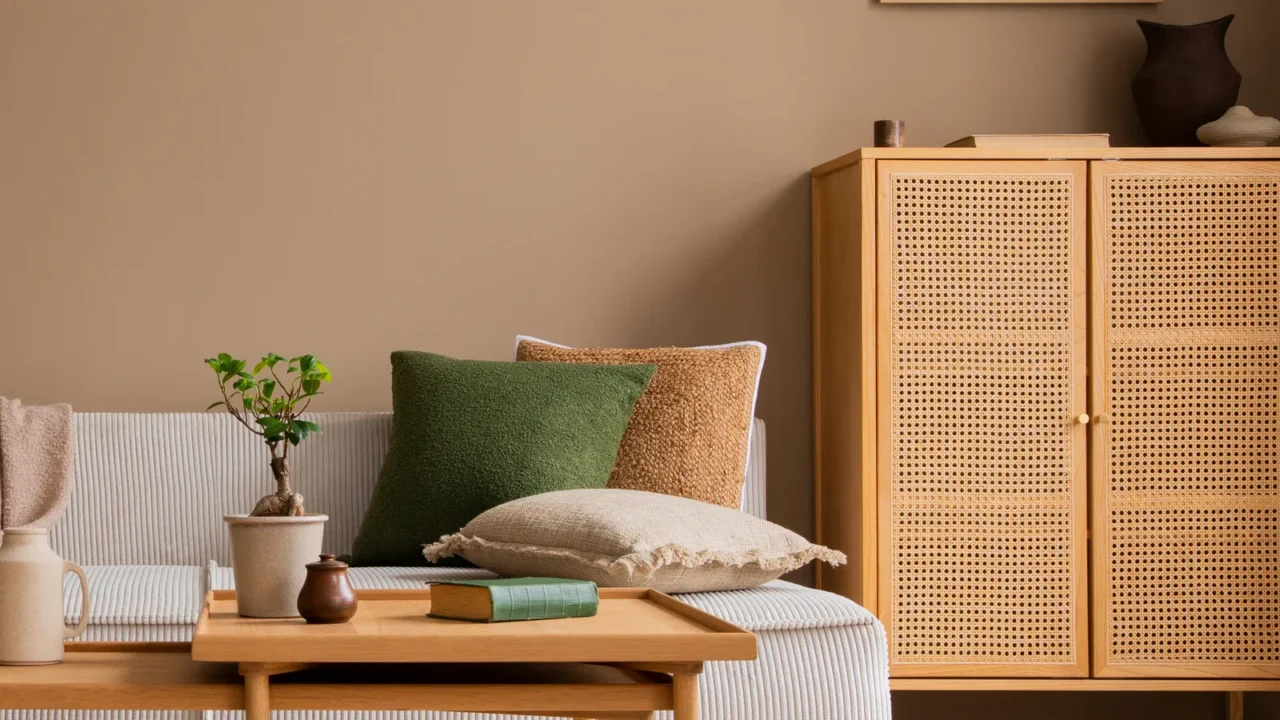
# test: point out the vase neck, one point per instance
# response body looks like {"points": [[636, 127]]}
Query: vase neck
{"points": [[23, 538], [1186, 39]]}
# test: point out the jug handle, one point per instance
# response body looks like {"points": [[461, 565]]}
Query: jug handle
{"points": [[84, 601]]}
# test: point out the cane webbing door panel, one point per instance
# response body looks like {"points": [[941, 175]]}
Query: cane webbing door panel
{"points": [[981, 378], [1186, 355]]}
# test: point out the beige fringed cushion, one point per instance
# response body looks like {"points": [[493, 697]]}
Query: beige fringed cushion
{"points": [[628, 538], [689, 434]]}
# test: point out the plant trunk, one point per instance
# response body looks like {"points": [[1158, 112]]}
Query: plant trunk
{"points": [[284, 501], [280, 470]]}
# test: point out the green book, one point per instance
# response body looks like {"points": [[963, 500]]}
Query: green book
{"points": [[508, 599]]}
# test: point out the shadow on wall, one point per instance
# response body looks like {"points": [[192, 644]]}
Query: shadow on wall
{"points": [[753, 284], [1110, 75]]}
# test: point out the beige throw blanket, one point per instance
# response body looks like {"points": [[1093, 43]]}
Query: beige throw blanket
{"points": [[35, 463]]}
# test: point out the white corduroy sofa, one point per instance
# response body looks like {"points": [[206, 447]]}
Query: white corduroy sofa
{"points": [[145, 521]]}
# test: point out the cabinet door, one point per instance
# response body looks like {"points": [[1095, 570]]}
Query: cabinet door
{"points": [[1185, 313], [981, 373]]}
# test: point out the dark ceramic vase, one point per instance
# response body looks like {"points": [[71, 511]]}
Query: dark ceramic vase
{"points": [[1187, 81], [327, 595]]}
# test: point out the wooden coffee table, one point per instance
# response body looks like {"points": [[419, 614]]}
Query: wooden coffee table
{"points": [[642, 652]]}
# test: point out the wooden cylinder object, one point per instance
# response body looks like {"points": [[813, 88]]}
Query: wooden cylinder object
{"points": [[891, 133], [684, 688]]}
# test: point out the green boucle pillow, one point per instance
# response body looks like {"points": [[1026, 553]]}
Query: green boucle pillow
{"points": [[469, 435]]}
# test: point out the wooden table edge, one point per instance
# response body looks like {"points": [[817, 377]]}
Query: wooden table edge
{"points": [[724, 641]]}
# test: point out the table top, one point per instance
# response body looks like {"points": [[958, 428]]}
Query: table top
{"points": [[391, 626]]}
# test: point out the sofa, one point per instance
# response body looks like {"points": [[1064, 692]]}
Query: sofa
{"points": [[145, 522]]}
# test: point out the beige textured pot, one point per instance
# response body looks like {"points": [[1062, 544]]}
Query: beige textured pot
{"points": [[270, 556], [31, 629], [1240, 128]]}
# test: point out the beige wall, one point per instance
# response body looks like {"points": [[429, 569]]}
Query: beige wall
{"points": [[180, 178]]}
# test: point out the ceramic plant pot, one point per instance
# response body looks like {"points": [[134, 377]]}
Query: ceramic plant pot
{"points": [[270, 556], [31, 629], [327, 596], [1187, 80], [1240, 128]]}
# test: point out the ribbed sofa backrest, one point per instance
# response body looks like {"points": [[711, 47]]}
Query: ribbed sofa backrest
{"points": [[152, 488]]}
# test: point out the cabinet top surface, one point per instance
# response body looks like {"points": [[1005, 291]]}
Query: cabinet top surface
{"points": [[1115, 153]]}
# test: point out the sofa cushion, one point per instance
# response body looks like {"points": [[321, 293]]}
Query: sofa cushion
{"points": [[153, 603], [373, 578]]}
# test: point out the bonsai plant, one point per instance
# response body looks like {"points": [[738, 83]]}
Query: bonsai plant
{"points": [[272, 417], [271, 546]]}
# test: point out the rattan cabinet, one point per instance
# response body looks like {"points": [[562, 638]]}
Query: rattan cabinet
{"points": [[1047, 411]]}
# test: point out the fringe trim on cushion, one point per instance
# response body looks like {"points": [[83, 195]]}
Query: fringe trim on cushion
{"points": [[646, 563]]}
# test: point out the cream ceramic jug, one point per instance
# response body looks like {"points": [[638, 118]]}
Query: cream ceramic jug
{"points": [[31, 629]]}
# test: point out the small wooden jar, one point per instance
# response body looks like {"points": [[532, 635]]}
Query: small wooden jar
{"points": [[890, 133], [327, 595]]}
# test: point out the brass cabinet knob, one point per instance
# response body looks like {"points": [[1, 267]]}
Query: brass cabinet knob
{"points": [[1102, 419], [1082, 418]]}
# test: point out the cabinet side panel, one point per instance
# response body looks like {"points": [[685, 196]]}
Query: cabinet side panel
{"points": [[844, 375]]}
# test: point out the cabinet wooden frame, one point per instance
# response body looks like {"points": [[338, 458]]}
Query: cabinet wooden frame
{"points": [[844, 376]]}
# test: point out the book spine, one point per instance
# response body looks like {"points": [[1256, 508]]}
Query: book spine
{"points": [[543, 602]]}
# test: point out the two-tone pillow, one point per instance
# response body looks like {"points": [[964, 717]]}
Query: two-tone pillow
{"points": [[690, 433]]}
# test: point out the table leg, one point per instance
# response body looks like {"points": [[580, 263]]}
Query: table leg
{"points": [[685, 688], [1235, 706], [257, 696]]}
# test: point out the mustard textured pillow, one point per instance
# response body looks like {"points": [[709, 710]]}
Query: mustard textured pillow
{"points": [[690, 432]]}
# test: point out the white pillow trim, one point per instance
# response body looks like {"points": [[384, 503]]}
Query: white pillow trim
{"points": [[644, 563], [755, 394]]}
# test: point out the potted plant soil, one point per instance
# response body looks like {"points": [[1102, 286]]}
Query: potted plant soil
{"points": [[271, 546]]}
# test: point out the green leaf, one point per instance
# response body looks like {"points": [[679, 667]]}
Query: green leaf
{"points": [[307, 363], [220, 402], [273, 438], [244, 374], [306, 426], [224, 358], [268, 387], [243, 384], [293, 438], [272, 359], [311, 385], [322, 372], [272, 426], [261, 364], [212, 362], [248, 402]]}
